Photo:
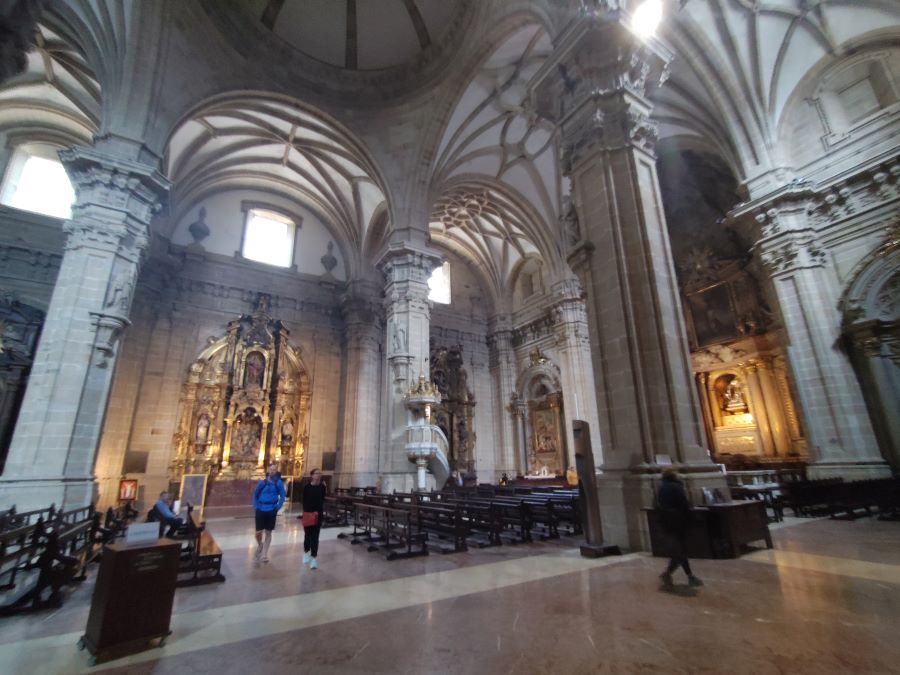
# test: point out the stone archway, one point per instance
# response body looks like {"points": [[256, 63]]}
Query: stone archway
{"points": [[540, 418], [871, 328]]}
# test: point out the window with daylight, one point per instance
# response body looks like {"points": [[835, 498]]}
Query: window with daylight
{"points": [[439, 285], [269, 238], [36, 181]]}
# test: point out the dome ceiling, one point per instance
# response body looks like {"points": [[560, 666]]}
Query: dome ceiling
{"points": [[360, 34]]}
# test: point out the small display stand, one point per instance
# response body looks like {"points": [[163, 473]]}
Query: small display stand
{"points": [[133, 598]]}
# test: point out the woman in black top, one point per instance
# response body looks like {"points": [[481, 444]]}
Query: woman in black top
{"points": [[313, 503], [675, 512]]}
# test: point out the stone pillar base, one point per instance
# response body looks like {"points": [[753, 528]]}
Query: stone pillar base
{"points": [[624, 493], [849, 471], [404, 482], [41, 492]]}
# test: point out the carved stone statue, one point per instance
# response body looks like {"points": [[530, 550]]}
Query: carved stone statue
{"points": [[256, 364]]}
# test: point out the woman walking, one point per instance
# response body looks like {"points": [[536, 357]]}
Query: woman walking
{"points": [[313, 512], [675, 510]]}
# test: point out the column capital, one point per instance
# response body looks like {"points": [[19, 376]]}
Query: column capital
{"points": [[116, 200], [595, 85], [401, 262]]}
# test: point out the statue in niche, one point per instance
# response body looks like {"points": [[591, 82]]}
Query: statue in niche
{"points": [[734, 398], [246, 435], [398, 338], [287, 433], [202, 430], [119, 293], [253, 375]]}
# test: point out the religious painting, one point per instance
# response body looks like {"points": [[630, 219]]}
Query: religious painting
{"points": [[193, 490], [546, 436], [128, 489], [711, 315]]}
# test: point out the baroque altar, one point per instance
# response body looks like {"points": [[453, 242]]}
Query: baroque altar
{"points": [[245, 403]]}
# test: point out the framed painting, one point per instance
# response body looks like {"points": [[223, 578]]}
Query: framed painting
{"points": [[128, 490], [712, 316], [193, 490]]}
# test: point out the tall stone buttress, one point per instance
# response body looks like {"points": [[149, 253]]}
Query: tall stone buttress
{"points": [[51, 458], [594, 88]]}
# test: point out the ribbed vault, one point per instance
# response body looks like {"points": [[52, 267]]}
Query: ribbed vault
{"points": [[56, 99], [493, 229], [739, 61], [278, 146]]}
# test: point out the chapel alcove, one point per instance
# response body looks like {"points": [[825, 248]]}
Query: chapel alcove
{"points": [[538, 415]]}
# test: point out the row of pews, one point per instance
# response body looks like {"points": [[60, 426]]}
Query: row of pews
{"points": [[44, 550], [407, 524], [845, 500]]}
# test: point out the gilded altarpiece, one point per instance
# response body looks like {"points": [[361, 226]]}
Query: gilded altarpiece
{"points": [[245, 403], [455, 414]]}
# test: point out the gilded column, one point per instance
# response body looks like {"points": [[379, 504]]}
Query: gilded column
{"points": [[774, 408], [708, 419], [51, 458], [758, 408]]}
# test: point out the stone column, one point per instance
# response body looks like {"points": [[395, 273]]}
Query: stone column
{"points": [[758, 408], [517, 412], [875, 347], [774, 408], [363, 365], [594, 88], [841, 440], [576, 367], [502, 366], [406, 270], [51, 458]]}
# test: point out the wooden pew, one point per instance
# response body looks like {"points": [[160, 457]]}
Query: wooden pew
{"points": [[201, 560]]}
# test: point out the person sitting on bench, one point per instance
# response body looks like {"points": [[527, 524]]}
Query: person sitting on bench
{"points": [[165, 514]]}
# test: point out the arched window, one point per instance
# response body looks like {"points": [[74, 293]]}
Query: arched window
{"points": [[269, 237], [36, 181], [439, 284]]}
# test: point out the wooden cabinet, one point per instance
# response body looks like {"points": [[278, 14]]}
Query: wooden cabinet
{"points": [[714, 531]]}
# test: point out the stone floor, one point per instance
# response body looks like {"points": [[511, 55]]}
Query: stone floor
{"points": [[825, 600]]}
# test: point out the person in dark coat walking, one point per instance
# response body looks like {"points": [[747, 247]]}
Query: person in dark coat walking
{"points": [[313, 513], [674, 508]]}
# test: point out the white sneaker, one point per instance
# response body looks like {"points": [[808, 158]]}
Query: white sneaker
{"points": [[313, 565], [306, 558], [258, 555]]}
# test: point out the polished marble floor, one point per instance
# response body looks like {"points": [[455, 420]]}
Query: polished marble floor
{"points": [[825, 600]]}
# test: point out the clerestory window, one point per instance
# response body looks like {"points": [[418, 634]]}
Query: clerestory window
{"points": [[439, 284], [269, 238], [36, 181]]}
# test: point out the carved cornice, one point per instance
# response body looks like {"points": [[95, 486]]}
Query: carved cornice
{"points": [[116, 200], [791, 255], [595, 85]]}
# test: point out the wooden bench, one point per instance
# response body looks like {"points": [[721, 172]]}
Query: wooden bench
{"points": [[201, 560]]}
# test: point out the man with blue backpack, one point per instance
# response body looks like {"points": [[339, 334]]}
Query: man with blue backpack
{"points": [[268, 498]]}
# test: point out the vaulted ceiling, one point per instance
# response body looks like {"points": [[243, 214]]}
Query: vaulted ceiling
{"points": [[281, 147]]}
